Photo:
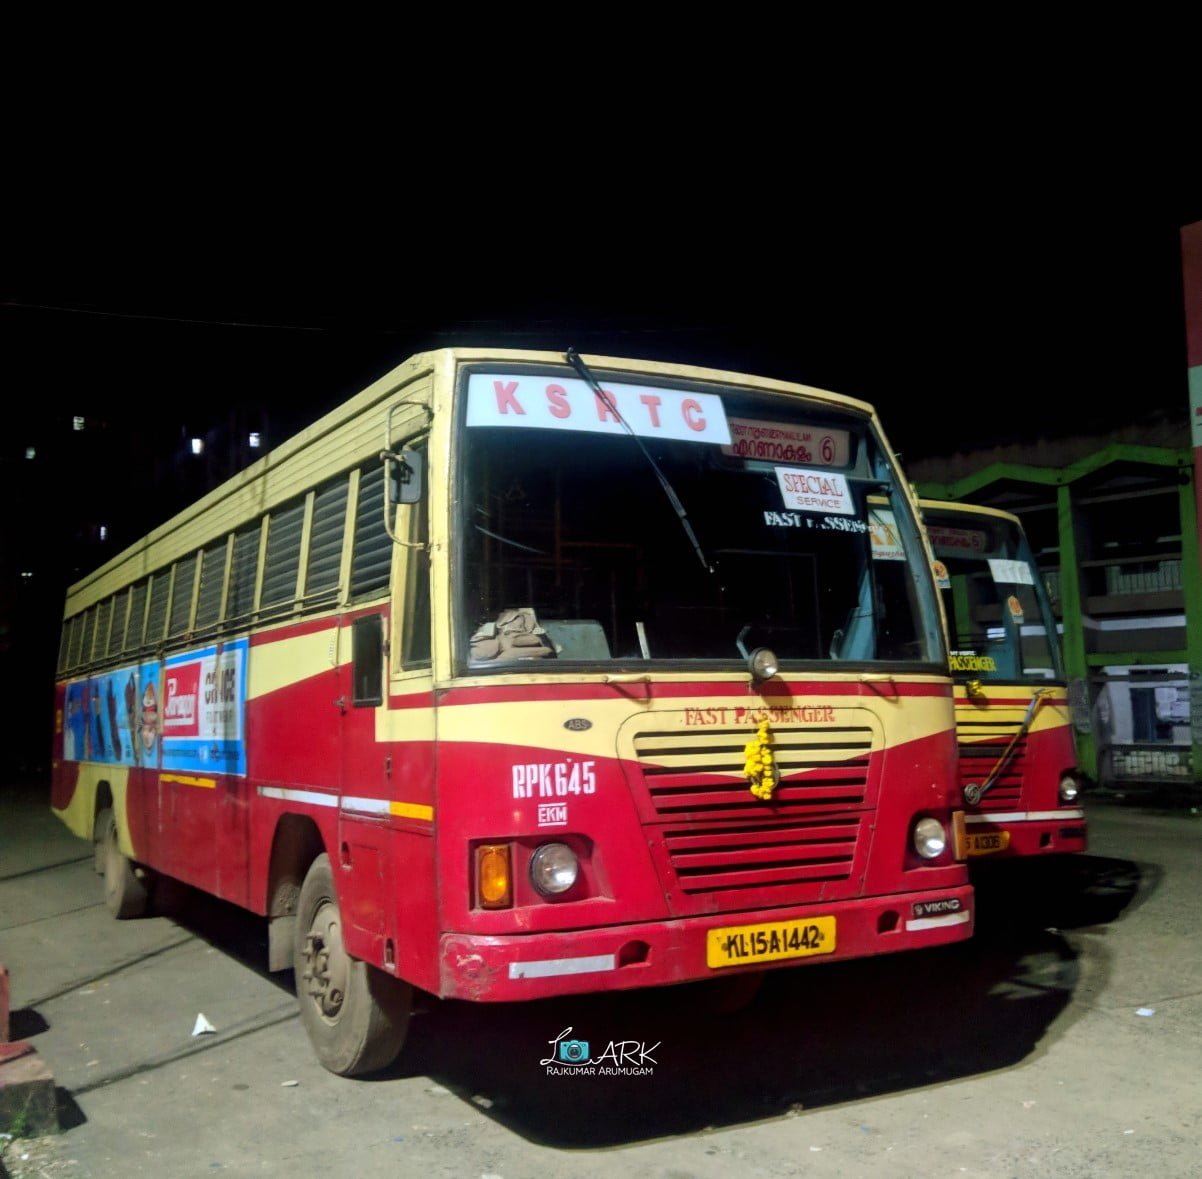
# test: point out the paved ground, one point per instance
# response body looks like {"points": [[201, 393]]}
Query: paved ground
{"points": [[1065, 1040]]}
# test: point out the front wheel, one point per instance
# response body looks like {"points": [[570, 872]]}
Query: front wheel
{"points": [[356, 1015]]}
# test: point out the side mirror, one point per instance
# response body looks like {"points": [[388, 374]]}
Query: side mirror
{"points": [[404, 474]]}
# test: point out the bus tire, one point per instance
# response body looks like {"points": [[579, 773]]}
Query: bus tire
{"points": [[126, 892], [356, 1015], [100, 838]]}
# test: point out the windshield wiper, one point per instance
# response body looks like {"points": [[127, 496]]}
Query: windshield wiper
{"points": [[574, 359]]}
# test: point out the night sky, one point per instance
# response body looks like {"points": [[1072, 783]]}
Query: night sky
{"points": [[972, 325], [956, 326]]}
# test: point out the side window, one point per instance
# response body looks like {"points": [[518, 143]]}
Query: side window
{"points": [[283, 557], [181, 598], [64, 646], [120, 622], [367, 660], [240, 600], [156, 620], [372, 554], [75, 643], [137, 617], [104, 618], [325, 546], [89, 633], [212, 581]]}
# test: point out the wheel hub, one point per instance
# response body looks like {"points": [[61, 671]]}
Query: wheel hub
{"points": [[327, 966]]}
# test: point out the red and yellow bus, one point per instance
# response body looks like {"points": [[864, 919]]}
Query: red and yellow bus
{"points": [[1018, 765], [519, 675]]}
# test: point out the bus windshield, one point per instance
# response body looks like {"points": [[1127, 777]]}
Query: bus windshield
{"points": [[1000, 622], [573, 549]]}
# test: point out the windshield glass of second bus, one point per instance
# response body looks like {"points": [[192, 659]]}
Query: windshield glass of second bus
{"points": [[998, 614], [572, 545]]}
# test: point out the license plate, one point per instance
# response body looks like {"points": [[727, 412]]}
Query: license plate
{"points": [[737, 945], [986, 842]]}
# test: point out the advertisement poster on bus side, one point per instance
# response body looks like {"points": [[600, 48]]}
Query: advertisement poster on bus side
{"points": [[113, 718], [187, 713]]}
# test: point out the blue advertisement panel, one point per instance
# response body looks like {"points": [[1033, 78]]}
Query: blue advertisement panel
{"points": [[187, 713]]}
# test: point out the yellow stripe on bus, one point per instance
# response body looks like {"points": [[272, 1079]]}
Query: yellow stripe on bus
{"points": [[184, 780], [287, 661], [411, 810]]}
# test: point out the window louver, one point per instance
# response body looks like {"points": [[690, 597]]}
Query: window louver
{"points": [[104, 615], [181, 600], [373, 548], [212, 577], [85, 645], [137, 617], [75, 644], [325, 549], [156, 621], [64, 646], [240, 601], [120, 622], [283, 556]]}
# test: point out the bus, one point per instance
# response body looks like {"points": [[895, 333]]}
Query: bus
{"points": [[521, 674], [1018, 766]]}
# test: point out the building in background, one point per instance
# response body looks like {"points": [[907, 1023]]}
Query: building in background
{"points": [[1115, 525]]}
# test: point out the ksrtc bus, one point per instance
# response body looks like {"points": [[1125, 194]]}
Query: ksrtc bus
{"points": [[1018, 766], [519, 675]]}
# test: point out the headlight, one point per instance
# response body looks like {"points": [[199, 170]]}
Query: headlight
{"points": [[929, 838], [1069, 789], [554, 868], [763, 664]]}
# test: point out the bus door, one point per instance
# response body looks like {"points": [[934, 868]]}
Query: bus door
{"points": [[363, 816]]}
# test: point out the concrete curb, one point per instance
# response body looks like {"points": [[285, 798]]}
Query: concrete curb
{"points": [[28, 1104]]}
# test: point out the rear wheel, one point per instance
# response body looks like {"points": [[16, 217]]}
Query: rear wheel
{"points": [[100, 838], [356, 1015], [126, 891]]}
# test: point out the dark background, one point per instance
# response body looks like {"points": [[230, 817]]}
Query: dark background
{"points": [[1023, 321], [966, 326]]}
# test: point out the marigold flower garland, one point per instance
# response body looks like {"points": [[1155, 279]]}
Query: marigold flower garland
{"points": [[759, 766]]}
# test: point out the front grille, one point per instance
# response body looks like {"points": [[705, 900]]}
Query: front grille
{"points": [[719, 848], [700, 775], [981, 746], [714, 859]]}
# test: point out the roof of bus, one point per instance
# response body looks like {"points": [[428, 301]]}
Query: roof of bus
{"points": [[245, 486], [951, 507], [659, 367]]}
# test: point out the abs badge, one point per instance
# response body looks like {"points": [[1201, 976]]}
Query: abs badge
{"points": [[759, 766]]}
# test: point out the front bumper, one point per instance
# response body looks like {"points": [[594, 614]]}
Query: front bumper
{"points": [[1016, 834], [659, 953]]}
